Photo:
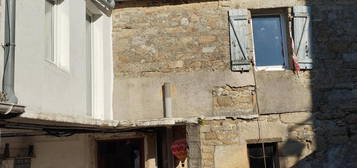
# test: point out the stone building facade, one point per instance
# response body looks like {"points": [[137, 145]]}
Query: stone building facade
{"points": [[309, 115]]}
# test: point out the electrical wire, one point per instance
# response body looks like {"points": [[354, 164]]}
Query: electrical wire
{"points": [[257, 102]]}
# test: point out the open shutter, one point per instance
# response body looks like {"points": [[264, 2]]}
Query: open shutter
{"points": [[238, 22], [302, 36]]}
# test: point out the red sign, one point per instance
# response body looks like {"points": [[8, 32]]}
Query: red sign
{"points": [[179, 149]]}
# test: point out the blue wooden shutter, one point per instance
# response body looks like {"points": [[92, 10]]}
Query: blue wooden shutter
{"points": [[302, 36], [238, 22]]}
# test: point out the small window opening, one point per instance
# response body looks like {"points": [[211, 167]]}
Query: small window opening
{"points": [[263, 155]]}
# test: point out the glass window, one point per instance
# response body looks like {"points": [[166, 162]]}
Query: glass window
{"points": [[49, 30], [269, 41], [263, 155], [89, 48], [57, 33]]}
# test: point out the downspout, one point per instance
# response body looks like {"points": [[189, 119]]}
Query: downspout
{"points": [[9, 53], [167, 101], [9, 109]]}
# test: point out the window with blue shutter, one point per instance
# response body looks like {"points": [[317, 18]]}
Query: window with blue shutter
{"points": [[270, 32]]}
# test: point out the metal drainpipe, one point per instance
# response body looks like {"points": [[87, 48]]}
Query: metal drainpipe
{"points": [[9, 54], [110, 4], [167, 100]]}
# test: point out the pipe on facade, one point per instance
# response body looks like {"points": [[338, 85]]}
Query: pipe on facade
{"points": [[167, 101], [9, 109], [109, 4], [9, 53]]}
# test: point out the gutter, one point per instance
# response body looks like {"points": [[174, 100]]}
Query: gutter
{"points": [[9, 110]]}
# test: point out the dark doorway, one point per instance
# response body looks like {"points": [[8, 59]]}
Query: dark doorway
{"points": [[165, 137], [125, 153]]}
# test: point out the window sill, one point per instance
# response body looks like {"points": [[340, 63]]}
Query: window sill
{"points": [[58, 67], [270, 68]]}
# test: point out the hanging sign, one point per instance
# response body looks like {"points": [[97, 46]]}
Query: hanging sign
{"points": [[179, 149]]}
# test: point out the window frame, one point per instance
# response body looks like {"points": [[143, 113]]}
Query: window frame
{"points": [[284, 30], [97, 53], [275, 157], [51, 56], [60, 56], [89, 17]]}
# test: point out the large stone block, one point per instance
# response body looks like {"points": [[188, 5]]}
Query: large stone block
{"points": [[232, 156], [282, 91], [233, 101], [302, 118]]}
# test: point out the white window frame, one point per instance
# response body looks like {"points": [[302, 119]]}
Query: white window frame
{"points": [[97, 62], [60, 35], [50, 57], [91, 56], [283, 26]]}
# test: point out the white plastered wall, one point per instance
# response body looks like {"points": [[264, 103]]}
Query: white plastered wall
{"points": [[77, 151], [43, 87], [53, 152]]}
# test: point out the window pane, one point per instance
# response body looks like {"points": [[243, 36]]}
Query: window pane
{"points": [[89, 62], [88, 35], [263, 158], [268, 41], [49, 31]]}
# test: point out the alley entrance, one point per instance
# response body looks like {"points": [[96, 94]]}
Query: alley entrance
{"points": [[124, 153]]}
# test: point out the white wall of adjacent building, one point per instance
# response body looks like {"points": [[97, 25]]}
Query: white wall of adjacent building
{"points": [[69, 152], [65, 88]]}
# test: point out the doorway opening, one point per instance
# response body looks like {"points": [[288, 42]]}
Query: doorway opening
{"points": [[126, 153]]}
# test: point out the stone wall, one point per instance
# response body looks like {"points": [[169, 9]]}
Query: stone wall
{"points": [[334, 82], [157, 37], [168, 36], [194, 143], [186, 42], [224, 142]]}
